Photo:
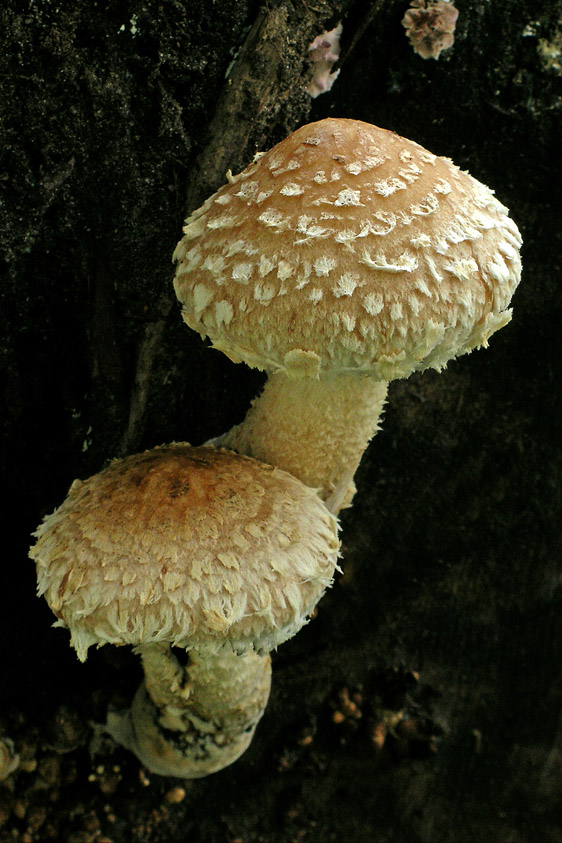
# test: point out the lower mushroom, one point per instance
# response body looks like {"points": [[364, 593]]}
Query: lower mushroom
{"points": [[195, 548]]}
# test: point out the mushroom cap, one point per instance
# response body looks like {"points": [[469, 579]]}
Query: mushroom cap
{"points": [[348, 248], [197, 547]]}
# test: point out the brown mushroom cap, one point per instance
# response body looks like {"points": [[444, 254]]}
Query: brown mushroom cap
{"points": [[347, 247], [192, 546]]}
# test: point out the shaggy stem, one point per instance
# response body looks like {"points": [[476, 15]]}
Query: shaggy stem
{"points": [[317, 429], [189, 722]]}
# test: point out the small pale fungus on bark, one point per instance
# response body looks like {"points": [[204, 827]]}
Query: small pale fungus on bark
{"points": [[430, 26]]}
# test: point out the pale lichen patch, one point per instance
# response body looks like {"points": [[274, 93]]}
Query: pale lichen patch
{"points": [[430, 27]]}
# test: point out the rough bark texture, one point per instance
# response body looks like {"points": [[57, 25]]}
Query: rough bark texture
{"points": [[444, 632]]}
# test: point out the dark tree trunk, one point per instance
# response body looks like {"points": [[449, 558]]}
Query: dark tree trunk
{"points": [[444, 632]]}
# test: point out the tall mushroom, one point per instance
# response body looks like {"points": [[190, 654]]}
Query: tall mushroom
{"points": [[343, 258], [195, 548]]}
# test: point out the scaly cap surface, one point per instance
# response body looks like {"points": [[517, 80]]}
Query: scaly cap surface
{"points": [[193, 546], [347, 247]]}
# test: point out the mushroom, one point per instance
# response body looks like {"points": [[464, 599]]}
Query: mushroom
{"points": [[343, 258], [430, 26], [193, 548]]}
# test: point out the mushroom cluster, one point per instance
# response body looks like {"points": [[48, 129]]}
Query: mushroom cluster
{"points": [[194, 548], [343, 258]]}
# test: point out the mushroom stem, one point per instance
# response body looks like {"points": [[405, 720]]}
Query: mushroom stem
{"points": [[189, 722], [317, 429]]}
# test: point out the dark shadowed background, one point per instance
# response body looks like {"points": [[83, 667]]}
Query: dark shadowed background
{"points": [[424, 700]]}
